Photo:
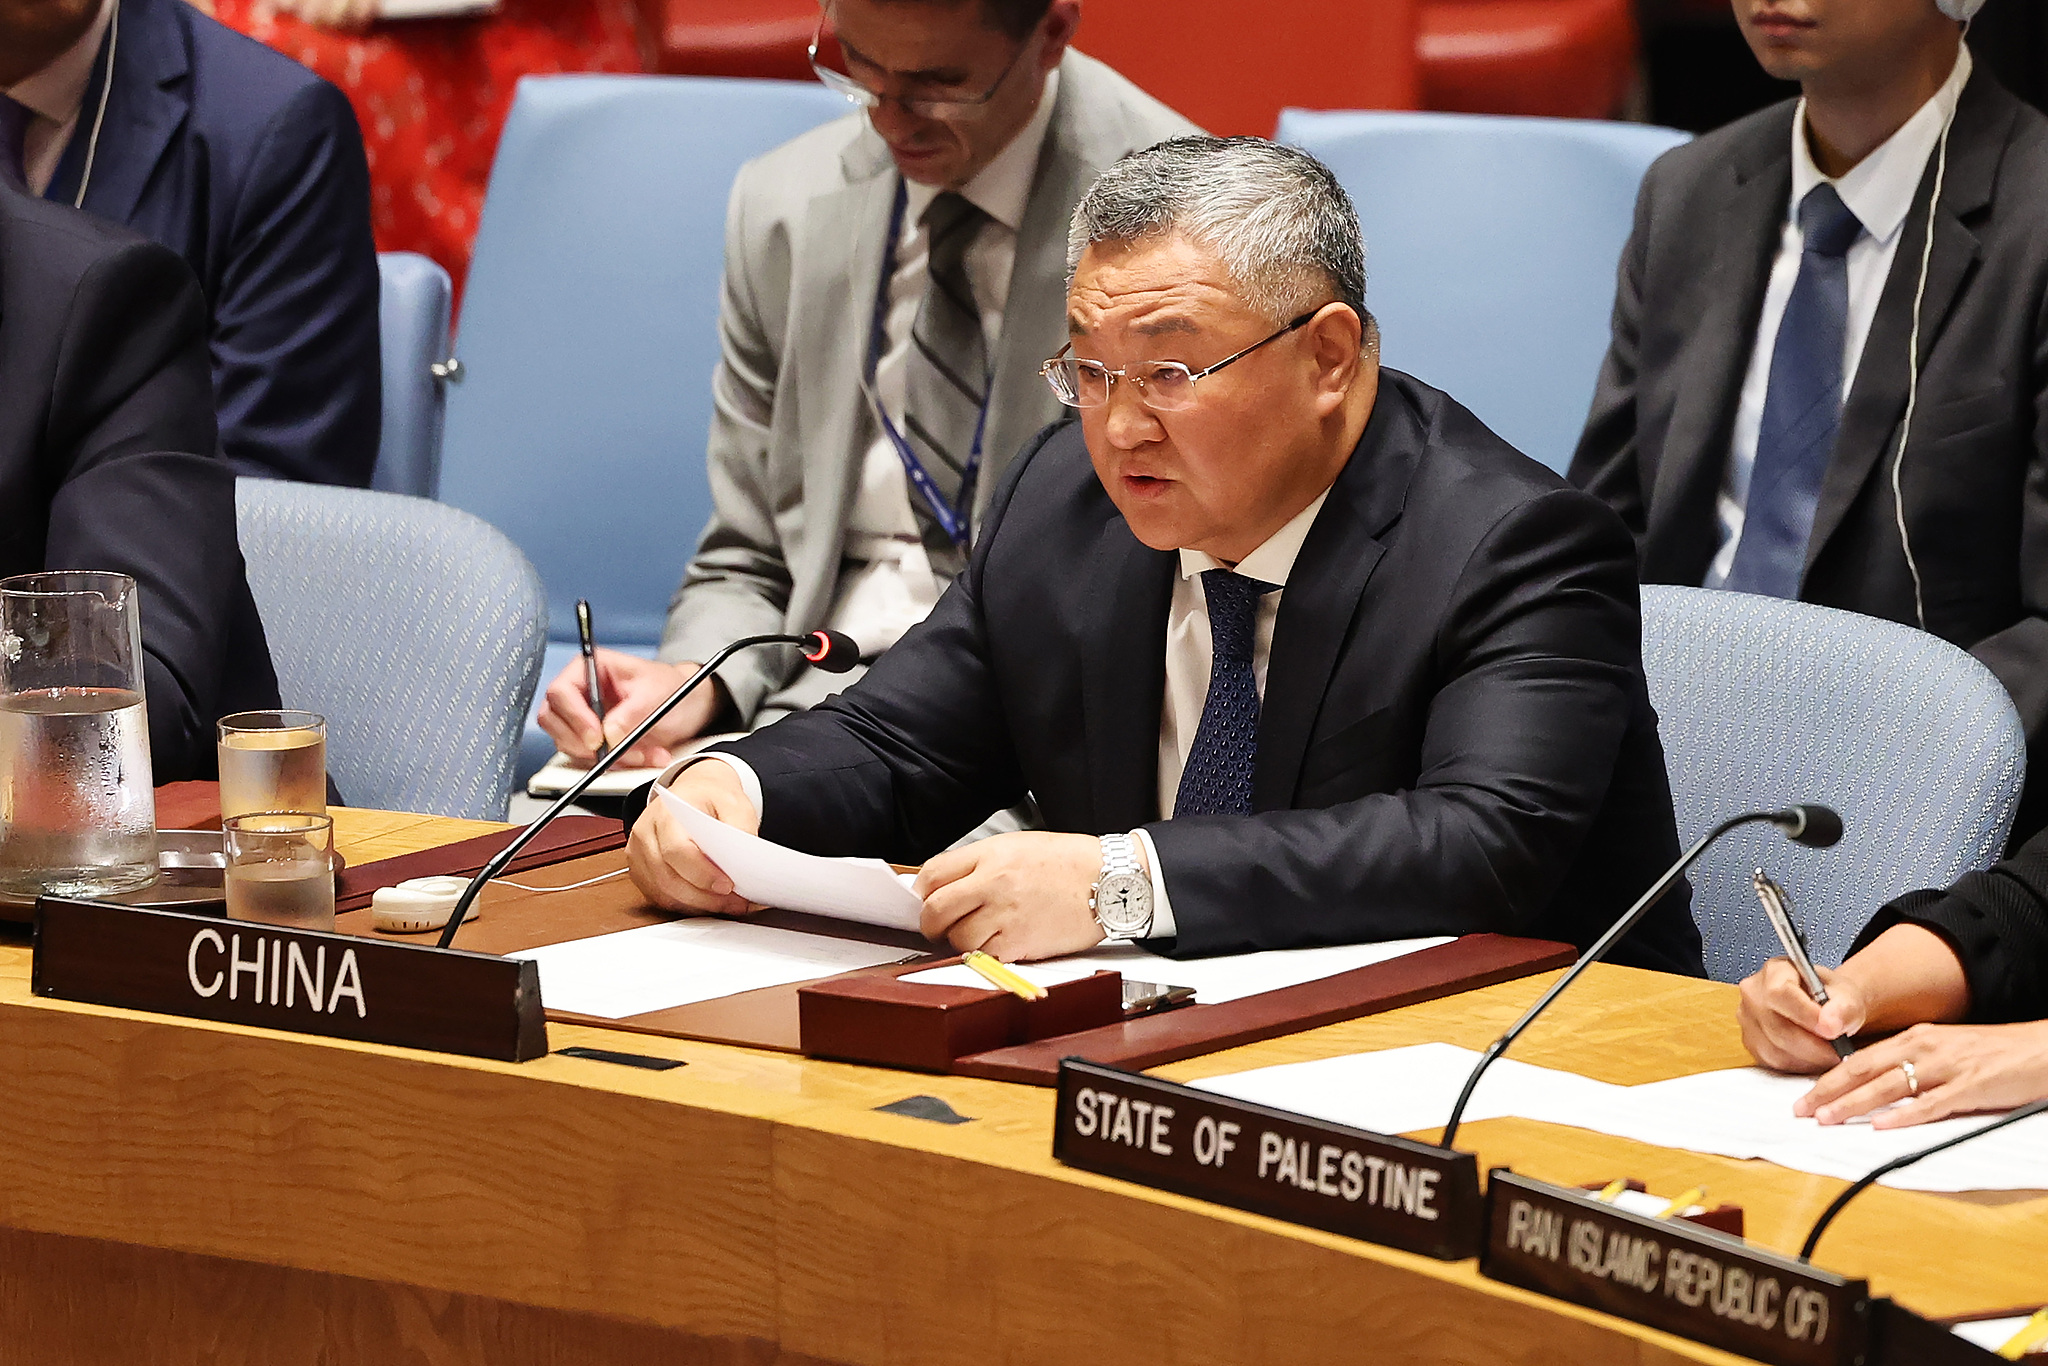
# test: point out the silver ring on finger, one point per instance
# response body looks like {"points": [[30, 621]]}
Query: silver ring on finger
{"points": [[1912, 1078]]}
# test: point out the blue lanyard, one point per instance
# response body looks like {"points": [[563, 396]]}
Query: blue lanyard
{"points": [[952, 520]]}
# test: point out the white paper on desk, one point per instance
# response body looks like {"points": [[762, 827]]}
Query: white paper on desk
{"points": [[677, 964], [1747, 1112], [1401, 1090], [1234, 976], [866, 890], [1991, 1334]]}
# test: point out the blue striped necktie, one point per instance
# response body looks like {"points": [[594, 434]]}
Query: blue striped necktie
{"points": [[1802, 408], [1218, 778]]}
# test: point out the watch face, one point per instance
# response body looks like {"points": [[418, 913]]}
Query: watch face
{"points": [[1123, 903]]}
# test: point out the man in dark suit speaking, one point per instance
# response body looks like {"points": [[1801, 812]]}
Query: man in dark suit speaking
{"points": [[1382, 672], [107, 460]]}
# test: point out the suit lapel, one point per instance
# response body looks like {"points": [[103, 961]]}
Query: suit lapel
{"points": [[1877, 399], [1324, 589], [830, 333], [1715, 357], [1123, 679], [1035, 309], [148, 103]]}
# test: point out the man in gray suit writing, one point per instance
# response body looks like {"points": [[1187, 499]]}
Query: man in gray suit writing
{"points": [[892, 282]]}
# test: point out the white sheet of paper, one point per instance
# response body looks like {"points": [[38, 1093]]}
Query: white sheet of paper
{"points": [[960, 975], [1743, 1112], [1747, 1112], [866, 890], [1991, 1334], [1234, 976], [558, 775], [1401, 1090], [659, 966]]}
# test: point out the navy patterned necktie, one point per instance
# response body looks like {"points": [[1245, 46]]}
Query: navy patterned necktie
{"points": [[1218, 778], [1802, 407], [14, 121]]}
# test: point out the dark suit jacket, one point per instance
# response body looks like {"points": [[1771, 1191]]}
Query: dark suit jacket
{"points": [[1455, 734], [107, 461], [1975, 480], [1997, 922], [251, 168]]}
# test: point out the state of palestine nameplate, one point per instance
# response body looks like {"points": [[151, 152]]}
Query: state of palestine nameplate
{"points": [[304, 981], [1383, 1189]]}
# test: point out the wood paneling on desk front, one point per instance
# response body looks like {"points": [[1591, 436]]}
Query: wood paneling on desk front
{"points": [[175, 1192]]}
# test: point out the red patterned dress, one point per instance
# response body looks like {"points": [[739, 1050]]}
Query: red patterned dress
{"points": [[432, 95]]}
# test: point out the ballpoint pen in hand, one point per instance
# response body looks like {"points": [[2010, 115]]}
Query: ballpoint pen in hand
{"points": [[587, 637], [1778, 910]]}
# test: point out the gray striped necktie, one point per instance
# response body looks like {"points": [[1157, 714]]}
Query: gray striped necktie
{"points": [[946, 379]]}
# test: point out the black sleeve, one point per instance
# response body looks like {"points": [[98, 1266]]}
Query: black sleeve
{"points": [[141, 494], [295, 341], [1997, 923], [1538, 666], [1605, 463], [917, 753]]}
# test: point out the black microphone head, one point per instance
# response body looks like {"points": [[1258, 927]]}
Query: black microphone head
{"points": [[1810, 824], [834, 652]]}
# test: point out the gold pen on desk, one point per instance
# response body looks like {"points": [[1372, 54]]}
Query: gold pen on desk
{"points": [[2032, 1334], [1000, 974], [1610, 1192], [1683, 1203]]}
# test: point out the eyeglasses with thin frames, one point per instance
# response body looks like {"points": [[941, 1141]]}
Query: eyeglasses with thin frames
{"points": [[954, 110], [1163, 385]]}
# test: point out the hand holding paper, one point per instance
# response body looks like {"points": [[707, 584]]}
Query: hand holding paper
{"points": [[753, 872]]}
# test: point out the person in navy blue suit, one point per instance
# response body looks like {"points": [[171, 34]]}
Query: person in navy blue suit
{"points": [[149, 114]]}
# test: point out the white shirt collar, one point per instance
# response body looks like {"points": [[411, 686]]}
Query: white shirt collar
{"points": [[1002, 188], [57, 91], [1274, 560], [1879, 189]]}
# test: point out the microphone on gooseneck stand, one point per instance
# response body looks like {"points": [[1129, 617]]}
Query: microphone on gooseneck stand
{"points": [[1815, 826], [830, 651], [1828, 1216]]}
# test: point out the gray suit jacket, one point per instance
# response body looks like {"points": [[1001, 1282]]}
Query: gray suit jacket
{"points": [[803, 252]]}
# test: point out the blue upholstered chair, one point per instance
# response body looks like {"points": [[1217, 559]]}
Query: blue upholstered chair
{"points": [[1762, 703], [590, 332], [1491, 247], [414, 628], [412, 315]]}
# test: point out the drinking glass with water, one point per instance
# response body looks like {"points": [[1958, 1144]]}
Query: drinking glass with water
{"points": [[77, 802], [273, 761], [280, 868]]}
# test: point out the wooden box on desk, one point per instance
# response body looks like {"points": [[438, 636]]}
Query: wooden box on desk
{"points": [[877, 1018]]}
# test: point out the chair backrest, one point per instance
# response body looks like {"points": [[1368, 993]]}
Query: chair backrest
{"points": [[414, 628], [412, 315], [1491, 246], [590, 328], [1763, 703]]}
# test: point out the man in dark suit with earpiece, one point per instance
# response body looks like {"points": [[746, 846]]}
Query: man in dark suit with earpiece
{"points": [[149, 114], [1758, 422], [107, 460]]}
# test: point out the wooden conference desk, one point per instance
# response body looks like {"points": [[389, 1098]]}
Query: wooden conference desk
{"points": [[174, 1192]]}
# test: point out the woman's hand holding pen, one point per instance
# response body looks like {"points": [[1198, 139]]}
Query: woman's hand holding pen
{"points": [[1785, 1030]]}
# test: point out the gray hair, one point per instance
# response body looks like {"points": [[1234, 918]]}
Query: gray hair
{"points": [[1274, 216]]}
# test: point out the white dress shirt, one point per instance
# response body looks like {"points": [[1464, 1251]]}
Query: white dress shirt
{"points": [[55, 95], [1879, 190], [886, 583]]}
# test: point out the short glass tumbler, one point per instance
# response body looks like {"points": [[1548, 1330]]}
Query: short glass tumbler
{"points": [[273, 761], [281, 869]]}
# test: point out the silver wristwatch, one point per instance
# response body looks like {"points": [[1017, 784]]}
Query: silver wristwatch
{"points": [[1121, 899]]}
